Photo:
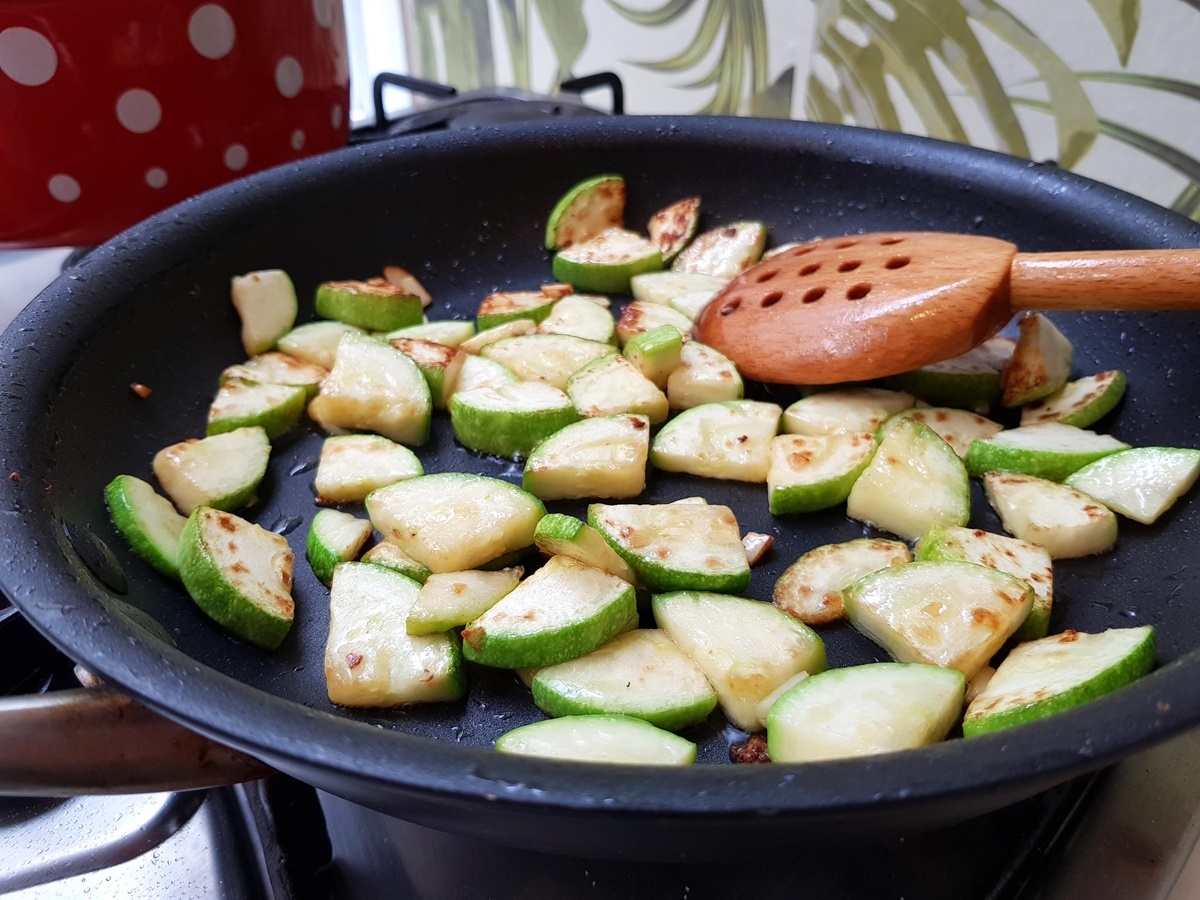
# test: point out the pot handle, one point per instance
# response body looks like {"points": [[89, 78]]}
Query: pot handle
{"points": [[96, 741]]}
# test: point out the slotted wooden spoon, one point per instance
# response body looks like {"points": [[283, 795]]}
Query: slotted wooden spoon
{"points": [[868, 305]]}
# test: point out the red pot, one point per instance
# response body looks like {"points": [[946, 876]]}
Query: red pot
{"points": [[115, 109]]}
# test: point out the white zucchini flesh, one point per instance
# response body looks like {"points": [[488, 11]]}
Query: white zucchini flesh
{"points": [[278, 368], [703, 376], [450, 599], [864, 710], [1050, 450], [1079, 403], [452, 522], [448, 332], [370, 659], [745, 648], [811, 587], [221, 471], [559, 534], [951, 613], [584, 211], [605, 263], [506, 306], [811, 472], [1040, 364], [388, 555], [692, 303], [1040, 678], [316, 343], [548, 358], [1066, 522], [969, 381], [375, 387], [844, 411], [914, 482], [638, 673], [266, 303], [729, 440], [353, 465], [639, 317], [671, 228], [656, 353], [613, 385], [479, 371], [1142, 483], [582, 318], [516, 328], [663, 287], [149, 522], [244, 404], [602, 739], [439, 364], [957, 427], [723, 252], [334, 537], [601, 457], [511, 419]]}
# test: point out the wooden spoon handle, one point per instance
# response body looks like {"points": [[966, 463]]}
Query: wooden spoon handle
{"points": [[1116, 279]]}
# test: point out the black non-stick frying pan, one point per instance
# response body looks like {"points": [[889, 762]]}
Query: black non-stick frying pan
{"points": [[465, 211]]}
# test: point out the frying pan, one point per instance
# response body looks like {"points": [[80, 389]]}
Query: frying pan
{"points": [[464, 210]]}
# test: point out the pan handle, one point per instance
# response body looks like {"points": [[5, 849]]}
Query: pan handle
{"points": [[96, 741]]}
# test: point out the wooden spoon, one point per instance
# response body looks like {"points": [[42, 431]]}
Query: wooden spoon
{"points": [[868, 305]]}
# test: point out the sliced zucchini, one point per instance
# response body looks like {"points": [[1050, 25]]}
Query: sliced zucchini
{"points": [[315, 343], [276, 408], [374, 305], [723, 252], [278, 368], [969, 381], [957, 427], [439, 364], [1067, 523], [864, 710], [559, 534], [1142, 483], [1080, 403], [702, 376], [914, 482], [671, 228], [266, 303], [1028, 561], [509, 420], [639, 673], [949, 613], [1050, 450], [845, 411], [149, 522], [808, 473], [663, 287], [370, 659], [582, 318], [353, 465], [453, 521], [452, 599], [730, 440], [692, 303], [811, 587], [334, 537], [676, 547], [549, 358], [1040, 678], [375, 387], [606, 262], [222, 471], [1040, 364], [508, 306], [239, 574], [598, 457], [656, 353], [515, 328], [448, 332], [586, 210], [639, 317], [406, 281], [388, 555], [745, 648], [599, 739], [564, 610], [479, 371], [612, 385]]}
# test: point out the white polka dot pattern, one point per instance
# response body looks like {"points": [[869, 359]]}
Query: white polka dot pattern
{"points": [[236, 157], [156, 177], [289, 77], [139, 111], [211, 31], [323, 12], [26, 56], [64, 188], [297, 139]]}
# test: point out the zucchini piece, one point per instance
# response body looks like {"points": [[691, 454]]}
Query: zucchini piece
{"points": [[606, 262], [785, 247], [315, 343], [948, 613], [453, 521], [1040, 364], [148, 522], [811, 587], [692, 303], [808, 473], [406, 281], [508, 306], [639, 317], [222, 471], [663, 287], [639, 673], [479, 371], [515, 328], [388, 555], [562, 535], [612, 385], [969, 381], [440, 365], [334, 537], [549, 358], [676, 547], [266, 302], [239, 574], [370, 660], [1022, 559], [957, 427], [1040, 678], [1080, 403], [353, 465], [914, 482], [600, 457], [845, 411], [582, 318], [276, 408], [1050, 450], [509, 420], [448, 333], [656, 353], [1067, 523], [452, 599], [671, 228], [1142, 483], [374, 305], [745, 648], [375, 387], [702, 376], [864, 710], [599, 739], [584, 211], [564, 610], [730, 440], [278, 368], [723, 252]]}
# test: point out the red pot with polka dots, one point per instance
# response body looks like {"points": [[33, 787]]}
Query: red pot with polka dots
{"points": [[115, 109]]}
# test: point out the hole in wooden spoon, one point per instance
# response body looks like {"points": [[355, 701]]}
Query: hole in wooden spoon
{"points": [[887, 242], [813, 295], [731, 306], [842, 245], [772, 298], [897, 262], [802, 251], [849, 265], [766, 276], [858, 291], [809, 269]]}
